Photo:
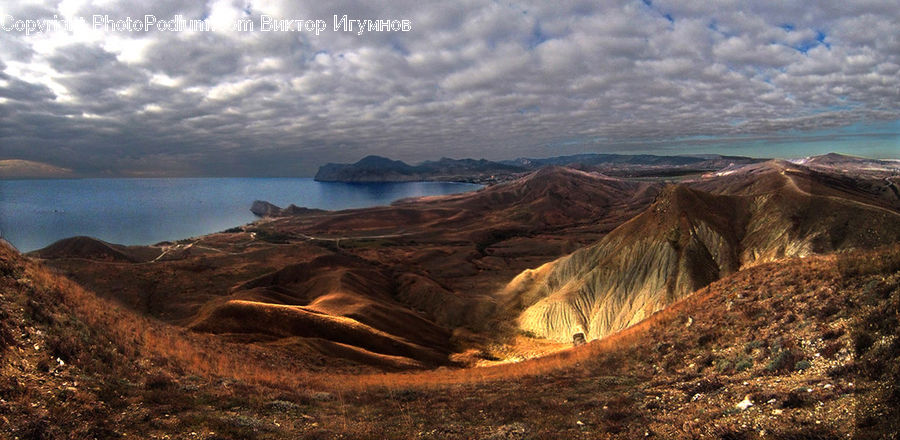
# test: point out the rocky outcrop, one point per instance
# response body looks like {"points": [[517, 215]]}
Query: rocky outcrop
{"points": [[262, 208]]}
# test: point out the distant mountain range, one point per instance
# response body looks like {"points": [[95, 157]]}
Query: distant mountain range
{"points": [[382, 169], [27, 169]]}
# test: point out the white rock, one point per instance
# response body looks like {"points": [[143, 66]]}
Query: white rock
{"points": [[744, 404]]}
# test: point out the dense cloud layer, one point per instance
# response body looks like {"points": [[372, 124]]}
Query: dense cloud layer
{"points": [[472, 78]]}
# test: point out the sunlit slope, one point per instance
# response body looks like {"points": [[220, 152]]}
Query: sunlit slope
{"points": [[685, 240]]}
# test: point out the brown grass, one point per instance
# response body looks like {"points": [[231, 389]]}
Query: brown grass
{"points": [[660, 377], [208, 356]]}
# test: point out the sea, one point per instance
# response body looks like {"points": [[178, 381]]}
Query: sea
{"points": [[36, 213]]}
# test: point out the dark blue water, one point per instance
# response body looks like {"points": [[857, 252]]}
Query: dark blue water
{"points": [[35, 213]]}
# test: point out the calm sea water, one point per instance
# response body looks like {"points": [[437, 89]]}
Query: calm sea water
{"points": [[35, 213]]}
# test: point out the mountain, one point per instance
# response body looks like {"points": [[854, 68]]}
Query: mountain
{"points": [[381, 169], [552, 197], [689, 238], [600, 158], [639, 165], [851, 164]]}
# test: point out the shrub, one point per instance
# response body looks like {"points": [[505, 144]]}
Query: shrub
{"points": [[831, 349], [272, 236], [753, 345], [63, 346], [832, 334], [867, 264], [862, 341], [158, 382], [795, 399], [802, 365], [281, 406], [782, 361], [743, 364], [702, 386], [6, 336], [528, 334], [707, 337]]}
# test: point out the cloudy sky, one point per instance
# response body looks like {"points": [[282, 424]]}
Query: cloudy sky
{"points": [[494, 79]]}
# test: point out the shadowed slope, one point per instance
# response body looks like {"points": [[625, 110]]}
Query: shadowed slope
{"points": [[92, 248]]}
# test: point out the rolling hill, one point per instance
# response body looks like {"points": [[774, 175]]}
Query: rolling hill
{"points": [[689, 238], [440, 280]]}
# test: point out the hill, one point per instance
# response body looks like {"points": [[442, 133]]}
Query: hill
{"points": [[27, 169], [852, 164], [807, 347], [333, 299], [687, 239], [95, 249], [404, 286], [755, 301], [444, 280], [799, 348]]}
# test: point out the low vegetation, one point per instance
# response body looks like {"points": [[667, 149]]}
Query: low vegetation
{"points": [[319, 324], [79, 367]]}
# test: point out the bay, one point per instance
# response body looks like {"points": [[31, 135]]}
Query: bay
{"points": [[36, 213]]}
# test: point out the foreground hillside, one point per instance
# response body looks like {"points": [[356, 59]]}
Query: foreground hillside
{"points": [[61, 376], [809, 347]]}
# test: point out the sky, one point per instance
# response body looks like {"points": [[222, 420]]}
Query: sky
{"points": [[482, 79]]}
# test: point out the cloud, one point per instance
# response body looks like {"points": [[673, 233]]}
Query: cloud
{"points": [[472, 78]]}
